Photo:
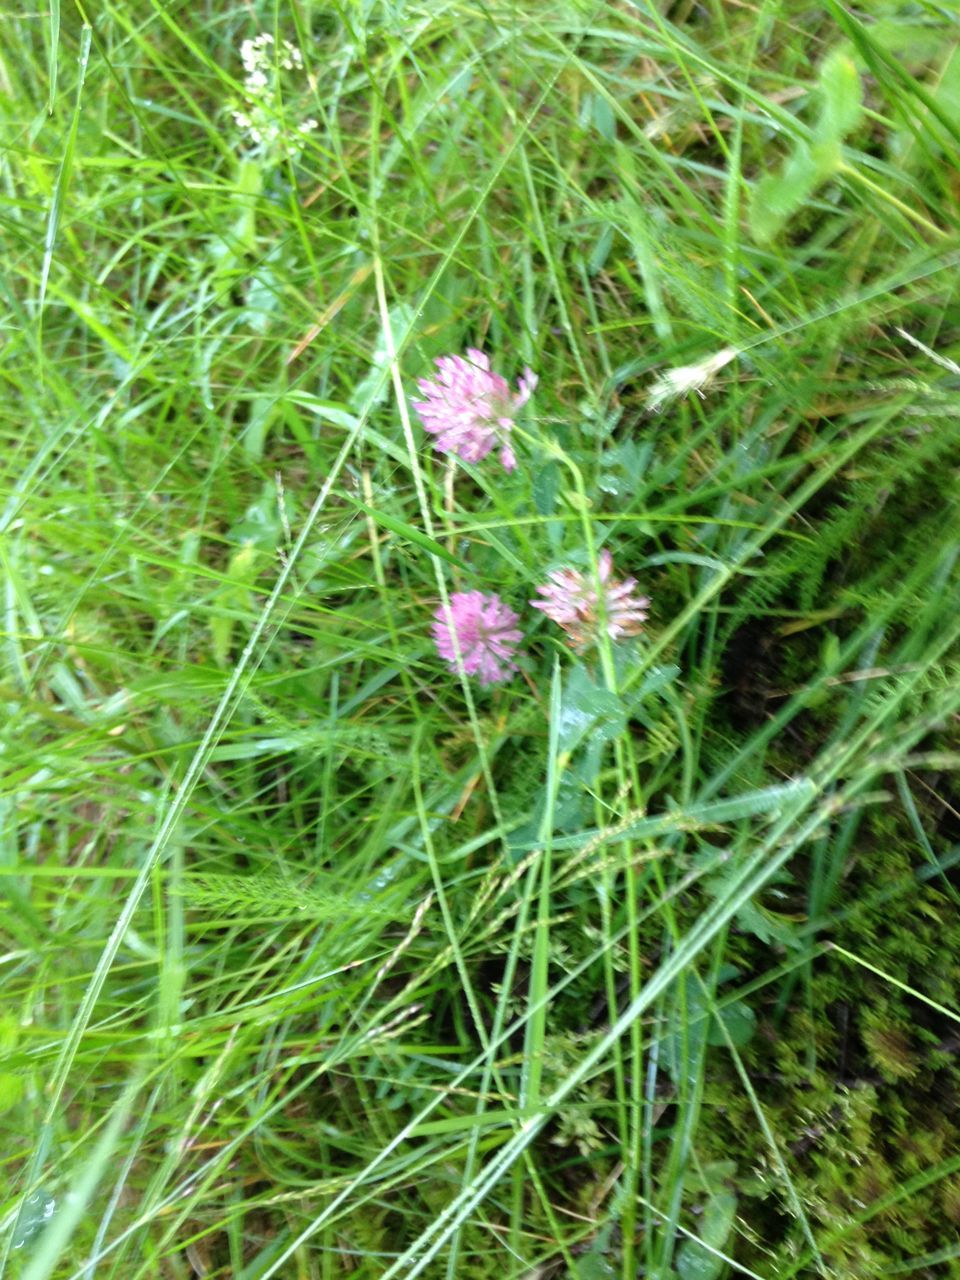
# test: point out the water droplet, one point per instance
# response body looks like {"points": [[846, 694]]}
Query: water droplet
{"points": [[36, 1213]]}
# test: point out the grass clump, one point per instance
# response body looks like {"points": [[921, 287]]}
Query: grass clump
{"points": [[319, 957]]}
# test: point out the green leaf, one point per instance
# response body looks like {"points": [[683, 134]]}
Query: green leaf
{"points": [[83, 1182], [11, 1090], [53, 53], [262, 525], [717, 1174], [623, 467], [827, 156], [242, 570], [546, 486], [777, 197], [842, 97], [691, 1019], [946, 93], [740, 1022], [409, 532], [462, 1123], [601, 249], [767, 926], [263, 298], [35, 1212], [586, 707], [770, 928], [328, 410], [63, 173], [263, 413], [603, 118], [9, 1032], [249, 187], [694, 1260], [594, 1266], [913, 43], [272, 895]]}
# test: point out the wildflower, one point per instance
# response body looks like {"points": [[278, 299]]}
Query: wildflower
{"points": [[486, 634], [470, 409], [688, 377], [260, 116], [571, 600]]}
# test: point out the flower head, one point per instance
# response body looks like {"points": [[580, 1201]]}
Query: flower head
{"points": [[571, 600], [259, 116], [470, 409], [486, 634], [688, 377]]}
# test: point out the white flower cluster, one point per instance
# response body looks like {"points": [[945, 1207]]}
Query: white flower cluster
{"points": [[255, 56], [261, 114]]}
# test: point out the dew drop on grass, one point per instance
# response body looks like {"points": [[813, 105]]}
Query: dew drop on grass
{"points": [[37, 1211]]}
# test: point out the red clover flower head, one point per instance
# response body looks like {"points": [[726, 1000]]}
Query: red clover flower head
{"points": [[486, 635], [571, 600], [470, 409]]}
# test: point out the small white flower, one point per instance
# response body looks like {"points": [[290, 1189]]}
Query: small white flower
{"points": [[258, 113], [292, 57]]}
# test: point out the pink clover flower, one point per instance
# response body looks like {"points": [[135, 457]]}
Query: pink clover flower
{"points": [[486, 635], [571, 600], [470, 409]]}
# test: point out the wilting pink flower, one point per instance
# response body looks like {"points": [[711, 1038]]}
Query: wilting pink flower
{"points": [[486, 632], [571, 599], [471, 410]]}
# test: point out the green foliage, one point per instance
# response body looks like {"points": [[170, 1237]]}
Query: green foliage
{"points": [[318, 962], [267, 895], [814, 160], [699, 1259]]}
